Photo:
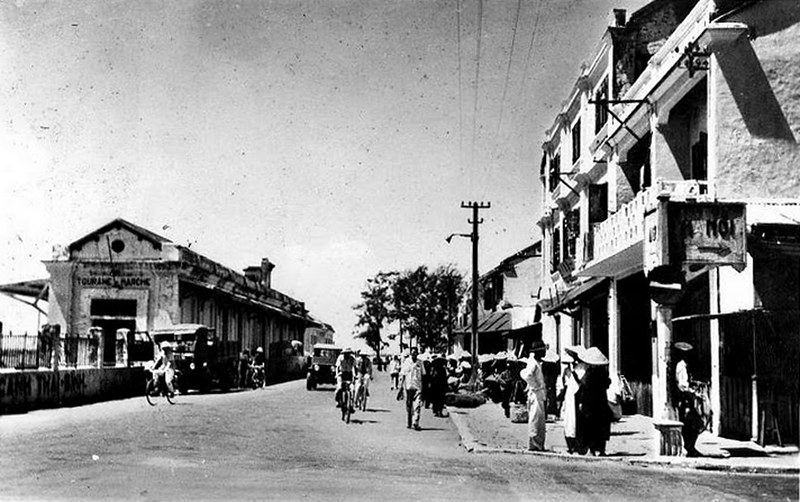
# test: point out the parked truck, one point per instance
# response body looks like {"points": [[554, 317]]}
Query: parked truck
{"points": [[202, 360]]}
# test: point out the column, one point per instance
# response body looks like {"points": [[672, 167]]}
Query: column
{"points": [[662, 408], [613, 328], [716, 388]]}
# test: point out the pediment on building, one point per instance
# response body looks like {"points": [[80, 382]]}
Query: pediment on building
{"points": [[118, 240]]}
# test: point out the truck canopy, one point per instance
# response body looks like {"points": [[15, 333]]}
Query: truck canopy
{"points": [[180, 332]]}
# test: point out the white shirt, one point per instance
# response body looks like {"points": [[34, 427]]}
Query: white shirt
{"points": [[412, 373], [532, 374], [682, 376]]}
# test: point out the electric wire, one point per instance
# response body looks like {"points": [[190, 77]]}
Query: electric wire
{"points": [[530, 47], [477, 82], [539, 9], [460, 89], [508, 71]]}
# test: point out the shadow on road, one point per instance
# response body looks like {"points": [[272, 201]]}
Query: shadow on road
{"points": [[358, 421], [378, 410]]}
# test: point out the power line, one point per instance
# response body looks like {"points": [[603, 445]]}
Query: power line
{"points": [[477, 81], [460, 91], [508, 70], [530, 48], [527, 61]]}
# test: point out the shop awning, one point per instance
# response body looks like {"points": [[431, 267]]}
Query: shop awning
{"points": [[503, 320], [36, 289], [561, 300]]}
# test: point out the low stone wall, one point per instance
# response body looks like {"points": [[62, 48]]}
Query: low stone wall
{"points": [[30, 390]]}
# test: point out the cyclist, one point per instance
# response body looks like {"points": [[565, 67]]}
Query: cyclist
{"points": [[345, 364], [363, 370], [164, 367]]}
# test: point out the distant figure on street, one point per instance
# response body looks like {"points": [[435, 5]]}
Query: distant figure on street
{"points": [[551, 370], [571, 380], [537, 395], [411, 375], [363, 372], [594, 415], [394, 372], [685, 400], [438, 384], [345, 367], [164, 367], [244, 367]]}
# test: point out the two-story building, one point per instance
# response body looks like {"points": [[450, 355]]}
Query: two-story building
{"points": [[508, 314], [671, 210]]}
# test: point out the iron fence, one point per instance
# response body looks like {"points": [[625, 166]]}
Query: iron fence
{"points": [[29, 352], [24, 351], [79, 351]]}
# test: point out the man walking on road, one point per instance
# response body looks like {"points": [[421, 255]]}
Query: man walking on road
{"points": [[532, 374], [411, 383]]}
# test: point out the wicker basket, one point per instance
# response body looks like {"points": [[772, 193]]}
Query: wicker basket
{"points": [[519, 413]]}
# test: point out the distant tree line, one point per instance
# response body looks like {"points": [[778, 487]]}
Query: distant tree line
{"points": [[424, 303]]}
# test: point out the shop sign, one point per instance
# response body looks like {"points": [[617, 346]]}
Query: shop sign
{"points": [[707, 233], [114, 281], [655, 238]]}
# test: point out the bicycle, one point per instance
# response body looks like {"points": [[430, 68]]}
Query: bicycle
{"points": [[156, 386], [361, 395], [347, 401]]}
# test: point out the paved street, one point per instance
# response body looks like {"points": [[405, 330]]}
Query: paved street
{"points": [[286, 443]]}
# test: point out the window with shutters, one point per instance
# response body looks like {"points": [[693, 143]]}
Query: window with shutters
{"points": [[601, 110], [556, 249], [572, 228], [555, 168], [598, 203], [576, 141]]}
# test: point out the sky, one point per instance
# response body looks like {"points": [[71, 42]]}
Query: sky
{"points": [[337, 138]]}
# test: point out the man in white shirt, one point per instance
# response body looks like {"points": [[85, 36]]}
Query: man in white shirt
{"points": [[685, 400], [411, 376], [537, 395]]}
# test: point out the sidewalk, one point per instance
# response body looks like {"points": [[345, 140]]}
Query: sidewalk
{"points": [[633, 440]]}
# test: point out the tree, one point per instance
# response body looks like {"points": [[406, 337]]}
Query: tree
{"points": [[375, 309], [425, 303]]}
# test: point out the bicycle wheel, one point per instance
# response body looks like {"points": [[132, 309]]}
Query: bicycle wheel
{"points": [[170, 396], [150, 392], [347, 404]]}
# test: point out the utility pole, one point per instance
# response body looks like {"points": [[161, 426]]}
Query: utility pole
{"points": [[476, 207]]}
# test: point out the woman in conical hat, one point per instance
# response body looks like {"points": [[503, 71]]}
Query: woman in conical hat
{"points": [[594, 415]]}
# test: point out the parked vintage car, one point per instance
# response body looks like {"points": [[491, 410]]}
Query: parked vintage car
{"points": [[203, 360], [321, 367]]}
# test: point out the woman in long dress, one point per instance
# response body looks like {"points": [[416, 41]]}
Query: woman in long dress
{"points": [[573, 374], [537, 395], [594, 415]]}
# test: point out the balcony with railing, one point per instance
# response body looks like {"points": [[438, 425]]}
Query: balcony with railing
{"points": [[614, 246]]}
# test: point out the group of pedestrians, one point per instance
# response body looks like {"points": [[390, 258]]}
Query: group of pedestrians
{"points": [[421, 382], [584, 403]]}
